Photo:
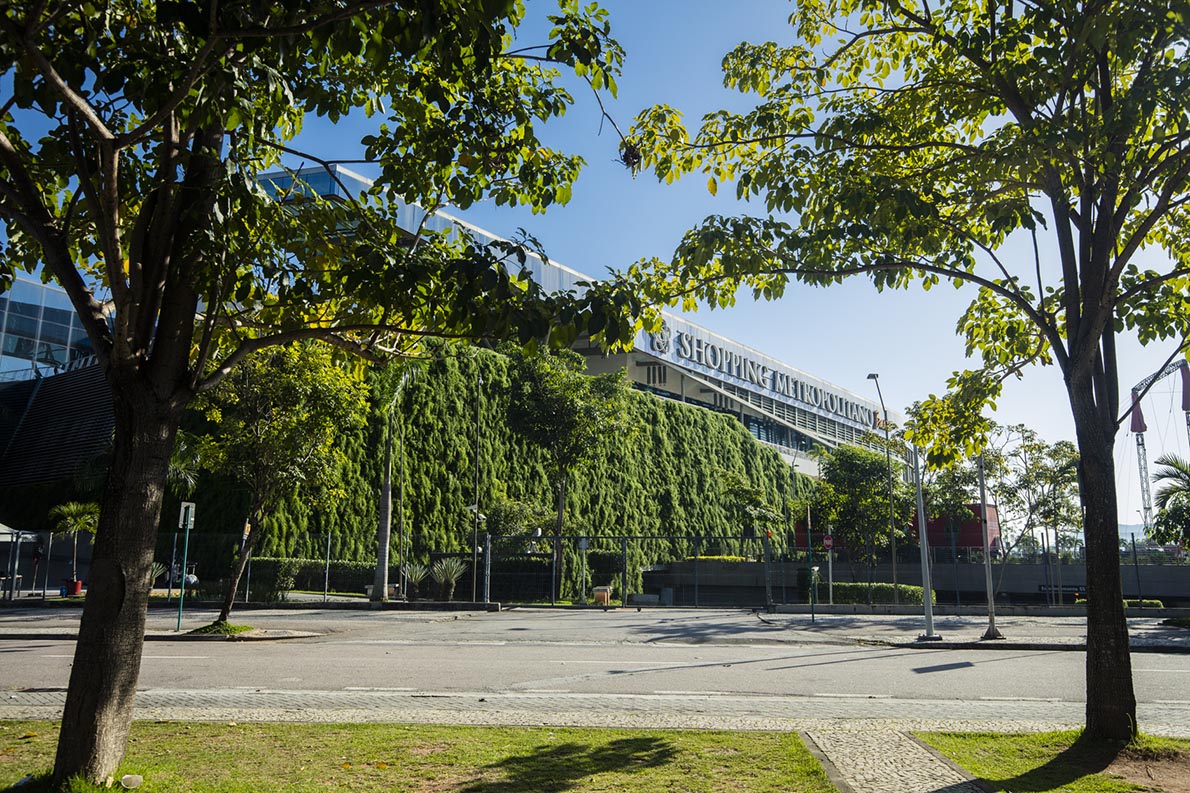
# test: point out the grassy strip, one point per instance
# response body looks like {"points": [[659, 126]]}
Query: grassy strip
{"points": [[1051, 761], [1177, 622], [302, 758], [220, 628]]}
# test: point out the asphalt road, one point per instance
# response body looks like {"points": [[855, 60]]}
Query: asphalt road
{"points": [[613, 653]]}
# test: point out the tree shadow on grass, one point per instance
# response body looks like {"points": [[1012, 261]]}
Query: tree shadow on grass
{"points": [[552, 768], [1082, 758]]}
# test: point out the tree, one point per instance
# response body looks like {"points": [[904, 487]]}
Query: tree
{"points": [[273, 426], [388, 384], [750, 505], [907, 143], [71, 518], [566, 413], [1035, 484], [852, 498], [1173, 500], [132, 139]]}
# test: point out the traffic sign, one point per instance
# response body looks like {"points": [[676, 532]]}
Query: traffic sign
{"points": [[828, 541]]}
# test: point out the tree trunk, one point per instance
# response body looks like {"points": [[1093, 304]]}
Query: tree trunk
{"points": [[384, 530], [1111, 703], [107, 656], [555, 551], [241, 562]]}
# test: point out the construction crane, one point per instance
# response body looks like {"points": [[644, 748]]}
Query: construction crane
{"points": [[1138, 427]]}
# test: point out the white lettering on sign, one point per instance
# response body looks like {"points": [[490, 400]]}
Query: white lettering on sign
{"points": [[713, 356]]}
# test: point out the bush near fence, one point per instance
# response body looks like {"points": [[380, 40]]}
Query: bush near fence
{"points": [[1129, 603], [273, 577], [848, 592]]}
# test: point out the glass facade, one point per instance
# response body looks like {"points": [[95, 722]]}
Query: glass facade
{"points": [[39, 332]]}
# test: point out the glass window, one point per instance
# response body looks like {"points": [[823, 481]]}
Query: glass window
{"points": [[56, 299], [52, 355], [19, 346], [25, 292], [9, 363], [80, 348], [57, 315], [21, 325], [54, 333], [24, 308]]}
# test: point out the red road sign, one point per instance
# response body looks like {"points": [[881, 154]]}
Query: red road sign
{"points": [[828, 541]]}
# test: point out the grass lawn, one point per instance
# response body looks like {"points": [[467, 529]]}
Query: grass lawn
{"points": [[1062, 761], [260, 758]]}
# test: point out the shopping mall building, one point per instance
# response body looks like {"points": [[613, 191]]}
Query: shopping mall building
{"points": [[782, 406]]}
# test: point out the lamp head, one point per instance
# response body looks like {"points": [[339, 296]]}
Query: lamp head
{"points": [[873, 376]]}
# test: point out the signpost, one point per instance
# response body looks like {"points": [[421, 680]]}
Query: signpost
{"points": [[828, 542], [185, 521]]}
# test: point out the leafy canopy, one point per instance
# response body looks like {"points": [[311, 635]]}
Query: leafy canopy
{"points": [[133, 137], [555, 405], [906, 143], [274, 425], [1172, 499]]}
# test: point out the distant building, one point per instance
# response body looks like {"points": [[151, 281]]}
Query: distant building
{"points": [[945, 533], [783, 407], [40, 334]]}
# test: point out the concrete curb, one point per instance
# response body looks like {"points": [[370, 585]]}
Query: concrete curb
{"points": [[255, 635], [1002, 644]]}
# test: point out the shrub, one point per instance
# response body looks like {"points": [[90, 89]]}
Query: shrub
{"points": [[717, 559], [1129, 604], [415, 574], [446, 573], [857, 592]]}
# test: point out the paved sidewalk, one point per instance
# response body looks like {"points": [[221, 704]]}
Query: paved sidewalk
{"points": [[688, 626], [887, 761]]}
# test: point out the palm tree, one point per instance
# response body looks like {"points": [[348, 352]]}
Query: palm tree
{"points": [[71, 518], [1173, 474]]}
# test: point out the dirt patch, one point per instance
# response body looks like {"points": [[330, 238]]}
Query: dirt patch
{"points": [[1161, 774]]}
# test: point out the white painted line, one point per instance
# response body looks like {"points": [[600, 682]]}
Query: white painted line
{"points": [[155, 657], [686, 693], [1171, 702], [1164, 671], [376, 688], [850, 696], [610, 662], [545, 691], [1020, 699]]}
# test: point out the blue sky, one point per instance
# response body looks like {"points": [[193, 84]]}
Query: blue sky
{"points": [[674, 49]]}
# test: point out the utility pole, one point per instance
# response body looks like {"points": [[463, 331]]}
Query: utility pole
{"points": [[892, 531], [475, 526], [991, 632]]}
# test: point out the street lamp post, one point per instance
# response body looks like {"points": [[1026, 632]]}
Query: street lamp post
{"points": [[923, 541], [475, 526], [892, 533], [991, 632]]}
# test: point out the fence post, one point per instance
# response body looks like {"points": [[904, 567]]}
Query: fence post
{"points": [[1140, 598], [326, 578], [624, 573], [487, 568], [697, 551]]}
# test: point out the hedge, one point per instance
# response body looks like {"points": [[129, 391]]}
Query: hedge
{"points": [[857, 592]]}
